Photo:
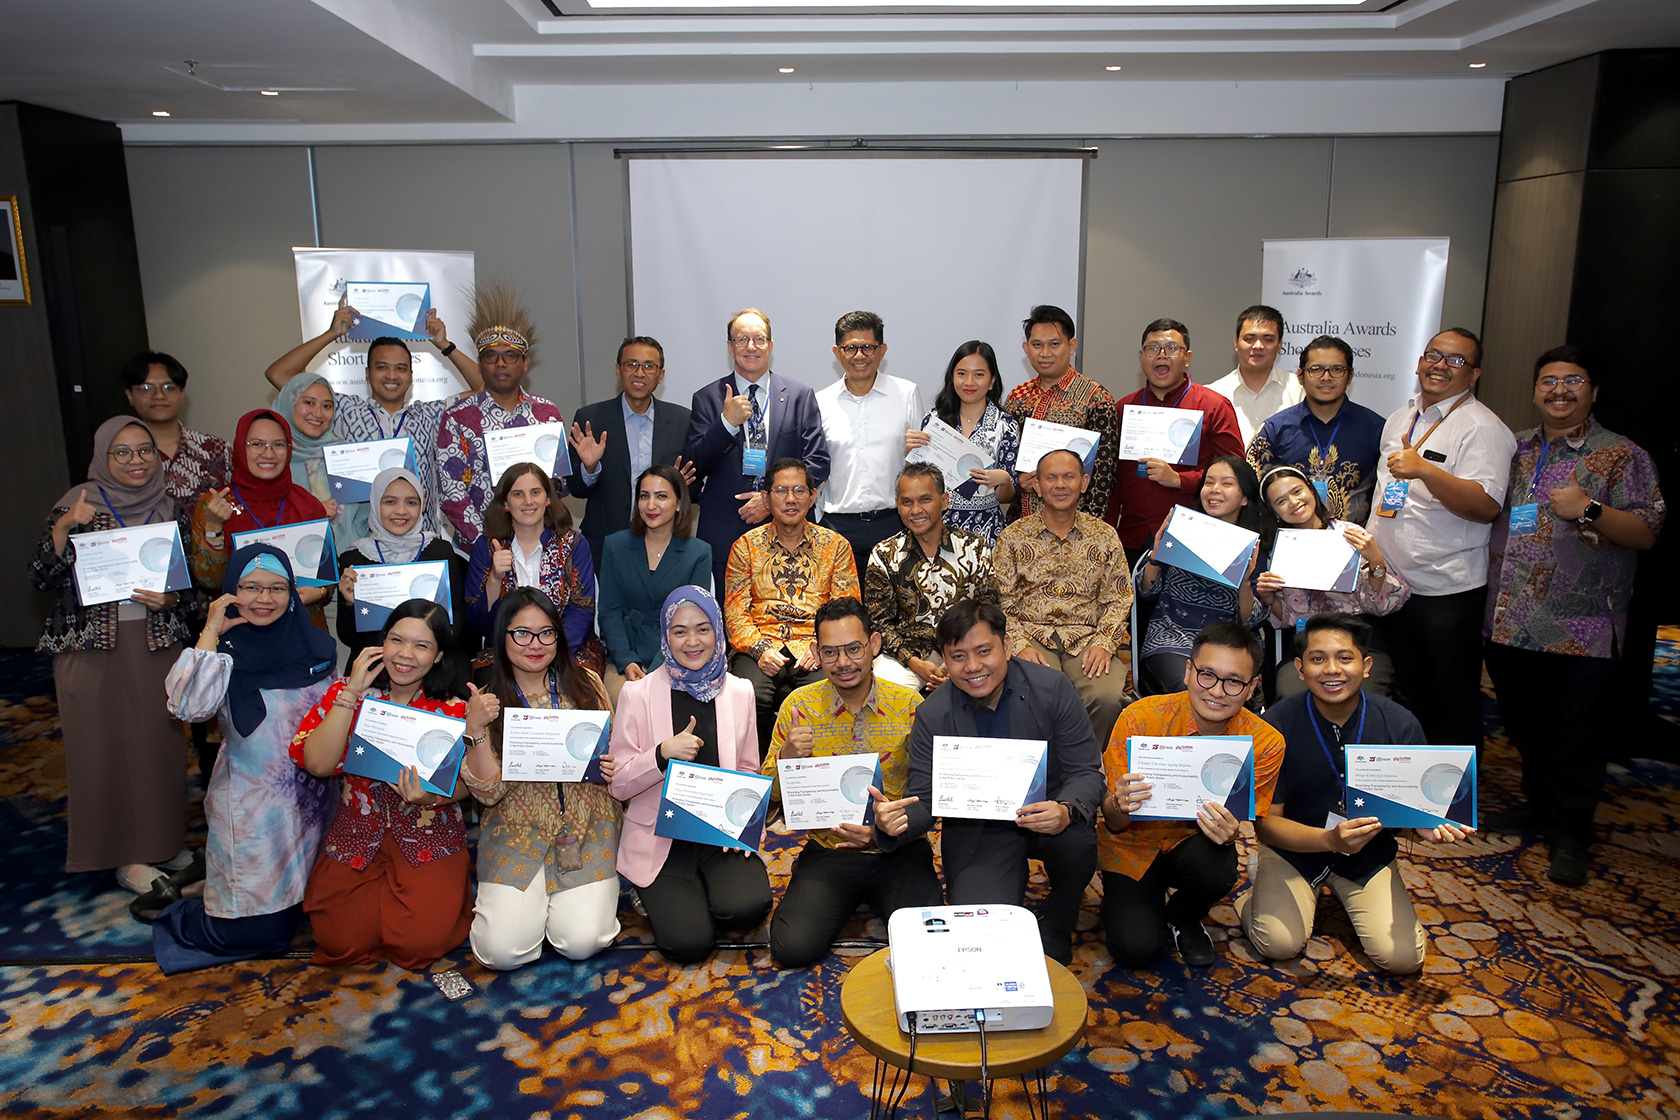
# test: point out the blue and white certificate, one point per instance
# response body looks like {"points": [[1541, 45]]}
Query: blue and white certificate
{"points": [[111, 564], [1040, 437], [1171, 434], [950, 451], [1206, 546], [709, 805], [987, 779], [1184, 773], [1315, 559], [542, 444], [821, 792], [307, 544], [553, 744], [352, 467], [382, 588], [387, 309], [1412, 787], [388, 738]]}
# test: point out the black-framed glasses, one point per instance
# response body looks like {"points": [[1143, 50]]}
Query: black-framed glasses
{"points": [[1322, 371], [853, 349], [853, 651], [1573, 381], [500, 357], [547, 636], [630, 365], [1456, 361], [1231, 686], [1156, 349], [124, 454]]}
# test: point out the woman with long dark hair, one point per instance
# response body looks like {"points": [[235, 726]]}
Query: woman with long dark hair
{"points": [[547, 851], [972, 402]]}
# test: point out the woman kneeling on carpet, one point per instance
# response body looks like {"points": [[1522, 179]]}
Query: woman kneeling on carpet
{"points": [[262, 665], [391, 880], [546, 850], [687, 889]]}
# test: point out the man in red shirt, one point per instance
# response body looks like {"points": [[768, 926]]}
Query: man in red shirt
{"points": [[1146, 490]]}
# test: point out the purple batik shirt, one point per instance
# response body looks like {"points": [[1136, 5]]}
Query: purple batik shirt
{"points": [[463, 469]]}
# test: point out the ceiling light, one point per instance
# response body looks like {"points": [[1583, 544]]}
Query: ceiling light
{"points": [[269, 92], [160, 112], [1477, 65], [784, 69], [1111, 69]]}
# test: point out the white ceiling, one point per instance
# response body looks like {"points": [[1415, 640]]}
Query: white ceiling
{"points": [[505, 67]]}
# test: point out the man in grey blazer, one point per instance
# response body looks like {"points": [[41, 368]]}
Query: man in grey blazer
{"points": [[614, 441]]}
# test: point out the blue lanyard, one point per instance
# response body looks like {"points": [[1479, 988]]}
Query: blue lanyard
{"points": [[553, 691], [1545, 453], [1324, 448], [114, 513], [1182, 393], [1359, 735], [403, 419], [379, 550], [279, 518]]}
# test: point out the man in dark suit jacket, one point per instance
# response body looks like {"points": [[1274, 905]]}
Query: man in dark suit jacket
{"points": [[741, 424], [614, 441], [992, 695]]}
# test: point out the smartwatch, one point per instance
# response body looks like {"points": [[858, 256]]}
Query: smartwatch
{"points": [[1595, 510]]}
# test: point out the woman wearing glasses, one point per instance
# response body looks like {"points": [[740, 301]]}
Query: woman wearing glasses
{"points": [[642, 565], [528, 541], [690, 709], [547, 851], [971, 402], [125, 759], [262, 495], [261, 666]]}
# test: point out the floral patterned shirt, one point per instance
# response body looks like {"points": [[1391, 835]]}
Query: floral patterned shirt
{"points": [[975, 507], [201, 462], [463, 469], [771, 595], [907, 592], [71, 626], [1071, 592], [1081, 402]]}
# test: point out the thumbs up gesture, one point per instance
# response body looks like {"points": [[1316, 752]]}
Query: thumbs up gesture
{"points": [[683, 746], [1406, 463], [482, 710], [800, 738], [80, 513], [1569, 501], [737, 410], [501, 560]]}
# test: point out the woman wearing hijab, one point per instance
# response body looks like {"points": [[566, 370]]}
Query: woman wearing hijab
{"points": [[397, 511], [125, 759], [307, 403], [689, 709], [260, 665], [261, 496]]}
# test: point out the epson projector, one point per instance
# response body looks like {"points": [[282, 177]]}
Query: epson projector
{"points": [[948, 962]]}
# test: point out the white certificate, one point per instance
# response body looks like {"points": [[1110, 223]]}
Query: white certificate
{"points": [[1315, 560], [388, 738], [551, 744], [387, 309], [113, 563], [1412, 787], [382, 588], [1206, 546], [986, 779], [710, 805], [308, 544], [1186, 772], [951, 452], [830, 790], [542, 444], [352, 467], [1172, 434], [1040, 437]]}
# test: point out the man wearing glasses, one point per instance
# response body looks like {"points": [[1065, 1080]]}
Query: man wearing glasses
{"points": [[193, 462], [777, 576], [1142, 860], [1329, 438], [851, 713], [864, 418], [741, 424], [614, 441], [1583, 502], [1441, 476]]}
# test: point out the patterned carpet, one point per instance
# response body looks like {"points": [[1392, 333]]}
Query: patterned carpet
{"points": [[1536, 1001]]}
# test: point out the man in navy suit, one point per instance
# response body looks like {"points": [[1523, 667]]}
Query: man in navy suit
{"points": [[741, 424], [614, 441]]}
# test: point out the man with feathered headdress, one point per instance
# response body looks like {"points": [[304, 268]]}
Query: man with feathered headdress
{"points": [[502, 331]]}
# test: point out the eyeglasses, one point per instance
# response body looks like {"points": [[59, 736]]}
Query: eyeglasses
{"points": [[791, 491], [499, 357], [853, 349], [544, 637], [148, 388], [1573, 381], [266, 445], [1456, 361], [1207, 678], [124, 454], [1332, 371], [750, 342], [830, 654], [263, 590], [1156, 349], [632, 366]]}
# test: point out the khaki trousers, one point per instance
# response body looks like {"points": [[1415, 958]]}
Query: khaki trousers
{"points": [[1104, 697], [1277, 913]]}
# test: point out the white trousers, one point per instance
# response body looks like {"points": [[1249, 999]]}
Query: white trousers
{"points": [[509, 924]]}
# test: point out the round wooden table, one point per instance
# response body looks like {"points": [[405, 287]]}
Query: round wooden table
{"points": [[866, 1007]]}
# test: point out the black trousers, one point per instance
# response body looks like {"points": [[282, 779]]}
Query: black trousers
{"points": [[771, 691], [1135, 912], [1435, 642], [863, 531], [1553, 707], [701, 889], [986, 862], [827, 885]]}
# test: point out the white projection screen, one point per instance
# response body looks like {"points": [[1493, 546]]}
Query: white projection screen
{"points": [[943, 248]]}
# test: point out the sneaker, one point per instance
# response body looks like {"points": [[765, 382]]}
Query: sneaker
{"points": [[1058, 944], [1512, 821], [1195, 947], [1570, 864]]}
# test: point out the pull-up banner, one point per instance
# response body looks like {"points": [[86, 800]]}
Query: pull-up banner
{"points": [[1380, 295]]}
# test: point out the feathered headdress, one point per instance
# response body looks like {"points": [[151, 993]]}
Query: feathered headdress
{"points": [[500, 320]]}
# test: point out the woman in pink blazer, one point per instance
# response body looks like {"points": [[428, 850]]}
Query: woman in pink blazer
{"points": [[687, 889]]}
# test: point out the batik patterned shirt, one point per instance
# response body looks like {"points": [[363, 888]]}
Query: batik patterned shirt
{"points": [[908, 592], [771, 595], [1081, 402], [1071, 592], [1341, 454], [463, 469], [360, 419], [200, 463], [975, 507]]}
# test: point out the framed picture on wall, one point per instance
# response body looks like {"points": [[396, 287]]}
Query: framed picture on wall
{"points": [[14, 272]]}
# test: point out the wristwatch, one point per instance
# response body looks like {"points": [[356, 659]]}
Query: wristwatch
{"points": [[1378, 572], [1595, 510], [447, 350]]}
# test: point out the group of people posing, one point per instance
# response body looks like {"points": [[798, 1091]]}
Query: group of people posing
{"points": [[771, 573]]}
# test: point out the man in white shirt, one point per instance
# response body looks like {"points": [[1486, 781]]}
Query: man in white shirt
{"points": [[1442, 470], [1257, 388], [864, 418]]}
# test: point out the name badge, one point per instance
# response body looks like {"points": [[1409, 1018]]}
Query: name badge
{"points": [[1333, 818], [1142, 469], [1323, 489], [752, 461], [1300, 624], [1525, 519], [1394, 496]]}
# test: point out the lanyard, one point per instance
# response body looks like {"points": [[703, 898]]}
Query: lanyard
{"points": [[1324, 448], [401, 420], [1312, 716], [114, 513], [279, 518], [1182, 393], [553, 691], [1545, 453], [1418, 415]]}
